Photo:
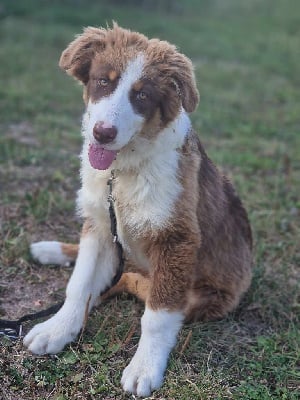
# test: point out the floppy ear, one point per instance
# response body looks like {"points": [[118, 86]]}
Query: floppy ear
{"points": [[185, 82], [77, 57]]}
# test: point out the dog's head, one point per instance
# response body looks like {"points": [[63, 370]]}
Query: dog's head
{"points": [[132, 86]]}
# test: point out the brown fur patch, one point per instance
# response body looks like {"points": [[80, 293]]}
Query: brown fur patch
{"points": [[112, 47], [133, 283], [70, 250], [98, 72], [112, 75], [165, 65], [137, 86], [223, 272]]}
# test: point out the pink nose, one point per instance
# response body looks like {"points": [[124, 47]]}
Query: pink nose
{"points": [[104, 133]]}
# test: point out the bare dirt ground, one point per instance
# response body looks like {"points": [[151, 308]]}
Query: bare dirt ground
{"points": [[29, 212]]}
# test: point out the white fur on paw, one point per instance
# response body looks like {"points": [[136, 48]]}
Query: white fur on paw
{"points": [[50, 337], [143, 375], [49, 253], [145, 372]]}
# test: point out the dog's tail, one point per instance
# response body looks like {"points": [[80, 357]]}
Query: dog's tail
{"points": [[53, 252]]}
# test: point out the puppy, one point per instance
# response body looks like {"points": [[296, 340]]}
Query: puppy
{"points": [[181, 225]]}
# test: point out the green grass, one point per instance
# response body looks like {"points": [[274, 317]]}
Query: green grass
{"points": [[247, 61]]}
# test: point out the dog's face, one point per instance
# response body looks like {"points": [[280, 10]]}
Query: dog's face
{"points": [[132, 86]]}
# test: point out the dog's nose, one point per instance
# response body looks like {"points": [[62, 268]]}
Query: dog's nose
{"points": [[104, 133]]}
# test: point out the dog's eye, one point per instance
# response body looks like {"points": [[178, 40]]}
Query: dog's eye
{"points": [[102, 82], [141, 96]]}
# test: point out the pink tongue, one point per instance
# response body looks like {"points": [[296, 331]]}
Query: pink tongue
{"points": [[101, 158]]}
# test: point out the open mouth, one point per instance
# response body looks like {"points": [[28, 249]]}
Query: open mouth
{"points": [[101, 158]]}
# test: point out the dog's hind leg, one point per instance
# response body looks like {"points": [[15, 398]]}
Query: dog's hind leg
{"points": [[52, 252], [130, 282]]}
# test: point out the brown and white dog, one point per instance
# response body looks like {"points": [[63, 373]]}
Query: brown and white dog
{"points": [[181, 224]]}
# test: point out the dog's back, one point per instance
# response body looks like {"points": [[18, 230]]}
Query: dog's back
{"points": [[223, 271]]}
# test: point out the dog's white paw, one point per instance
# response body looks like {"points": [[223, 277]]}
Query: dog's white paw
{"points": [[145, 372], [51, 336], [143, 375], [49, 253]]}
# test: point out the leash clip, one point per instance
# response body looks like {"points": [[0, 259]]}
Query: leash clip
{"points": [[110, 198], [11, 333]]}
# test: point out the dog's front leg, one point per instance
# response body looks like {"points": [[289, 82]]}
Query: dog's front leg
{"points": [[145, 372], [93, 272], [163, 316]]}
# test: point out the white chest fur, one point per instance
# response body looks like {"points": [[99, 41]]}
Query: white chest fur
{"points": [[144, 199]]}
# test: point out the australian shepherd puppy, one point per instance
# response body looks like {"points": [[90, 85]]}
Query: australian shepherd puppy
{"points": [[184, 231]]}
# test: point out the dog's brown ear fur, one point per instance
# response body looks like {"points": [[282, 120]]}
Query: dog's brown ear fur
{"points": [[177, 68], [76, 58], [185, 79]]}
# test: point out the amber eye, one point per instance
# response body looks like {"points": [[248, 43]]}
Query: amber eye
{"points": [[102, 82], [141, 95]]}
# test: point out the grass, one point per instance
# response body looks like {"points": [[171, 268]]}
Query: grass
{"points": [[247, 60]]}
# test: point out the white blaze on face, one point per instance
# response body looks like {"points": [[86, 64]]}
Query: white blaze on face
{"points": [[116, 109]]}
